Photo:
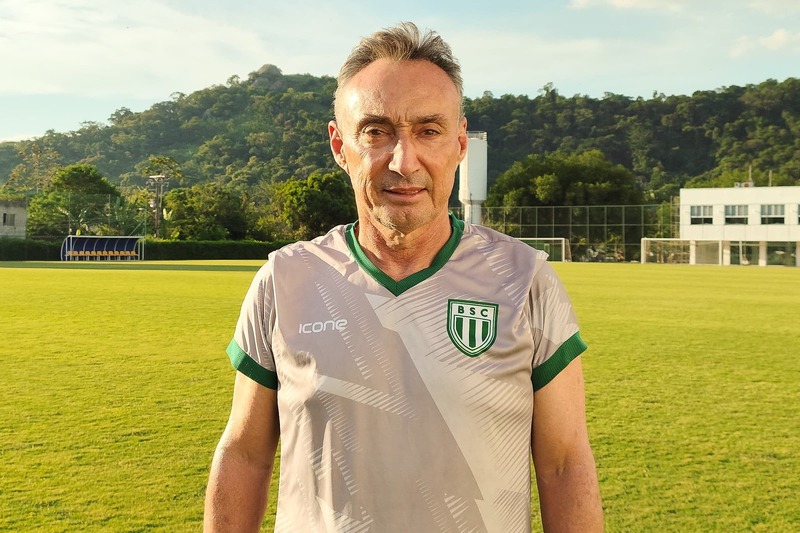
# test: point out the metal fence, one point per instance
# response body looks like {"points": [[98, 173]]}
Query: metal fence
{"points": [[595, 233]]}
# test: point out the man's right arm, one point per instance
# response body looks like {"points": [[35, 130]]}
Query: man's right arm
{"points": [[236, 496]]}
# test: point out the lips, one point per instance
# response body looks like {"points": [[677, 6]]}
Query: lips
{"points": [[406, 191]]}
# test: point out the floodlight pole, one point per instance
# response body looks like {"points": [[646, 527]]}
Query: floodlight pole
{"points": [[142, 209], [158, 182]]}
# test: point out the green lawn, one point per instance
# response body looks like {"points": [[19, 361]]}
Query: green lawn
{"points": [[115, 388]]}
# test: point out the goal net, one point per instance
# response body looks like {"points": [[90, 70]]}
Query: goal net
{"points": [[681, 251], [556, 247]]}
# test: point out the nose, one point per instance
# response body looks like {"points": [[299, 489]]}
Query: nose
{"points": [[404, 157]]}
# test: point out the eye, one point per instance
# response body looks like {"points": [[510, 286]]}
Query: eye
{"points": [[373, 134], [431, 129]]}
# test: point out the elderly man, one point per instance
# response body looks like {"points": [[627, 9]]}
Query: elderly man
{"points": [[410, 364]]}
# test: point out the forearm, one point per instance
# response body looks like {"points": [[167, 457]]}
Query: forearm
{"points": [[570, 499], [236, 496]]}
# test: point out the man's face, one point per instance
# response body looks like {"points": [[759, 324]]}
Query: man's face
{"points": [[400, 136]]}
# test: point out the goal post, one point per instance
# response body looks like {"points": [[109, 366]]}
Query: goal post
{"points": [[557, 248], [682, 251]]}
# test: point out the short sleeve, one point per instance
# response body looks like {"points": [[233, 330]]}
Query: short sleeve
{"points": [[557, 340], [250, 350]]}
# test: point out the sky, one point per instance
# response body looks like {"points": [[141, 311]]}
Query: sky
{"points": [[67, 62]]}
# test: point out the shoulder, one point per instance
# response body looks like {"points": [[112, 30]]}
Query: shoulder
{"points": [[487, 240], [326, 253], [334, 240]]}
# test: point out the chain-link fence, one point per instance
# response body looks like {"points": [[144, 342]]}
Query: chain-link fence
{"points": [[58, 214], [595, 233]]}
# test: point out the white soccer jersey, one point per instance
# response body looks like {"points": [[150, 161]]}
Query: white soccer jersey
{"points": [[405, 406]]}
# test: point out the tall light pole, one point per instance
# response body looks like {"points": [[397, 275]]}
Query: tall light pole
{"points": [[158, 182], [142, 209]]}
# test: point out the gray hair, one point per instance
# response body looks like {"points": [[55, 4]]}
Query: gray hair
{"points": [[402, 43]]}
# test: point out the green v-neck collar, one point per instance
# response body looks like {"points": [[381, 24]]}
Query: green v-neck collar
{"points": [[399, 287]]}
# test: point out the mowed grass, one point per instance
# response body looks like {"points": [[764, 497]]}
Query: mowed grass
{"points": [[115, 389]]}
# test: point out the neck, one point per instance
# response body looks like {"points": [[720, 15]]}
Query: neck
{"points": [[398, 254]]}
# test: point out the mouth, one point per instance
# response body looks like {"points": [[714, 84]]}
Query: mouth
{"points": [[404, 194], [404, 191]]}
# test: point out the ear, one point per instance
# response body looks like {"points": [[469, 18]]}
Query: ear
{"points": [[337, 144], [463, 142]]}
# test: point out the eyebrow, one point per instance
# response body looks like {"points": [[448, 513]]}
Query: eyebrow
{"points": [[435, 118]]}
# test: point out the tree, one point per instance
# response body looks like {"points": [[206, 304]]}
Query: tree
{"points": [[313, 206], [78, 201], [269, 127], [39, 164], [83, 179], [556, 179], [162, 165], [205, 212]]}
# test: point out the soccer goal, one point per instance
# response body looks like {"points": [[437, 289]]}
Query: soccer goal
{"points": [[682, 251], [557, 248]]}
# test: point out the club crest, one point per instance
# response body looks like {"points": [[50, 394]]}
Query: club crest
{"points": [[472, 326]]}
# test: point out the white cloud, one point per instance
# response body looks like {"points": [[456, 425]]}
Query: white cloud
{"points": [[662, 5], [85, 46], [519, 63], [497, 62], [779, 40], [19, 137], [775, 7]]}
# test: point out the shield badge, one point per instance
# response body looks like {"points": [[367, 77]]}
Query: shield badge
{"points": [[472, 326]]}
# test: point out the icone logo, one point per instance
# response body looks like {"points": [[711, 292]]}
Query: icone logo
{"points": [[319, 327]]}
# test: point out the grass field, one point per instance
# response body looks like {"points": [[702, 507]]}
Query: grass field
{"points": [[115, 388]]}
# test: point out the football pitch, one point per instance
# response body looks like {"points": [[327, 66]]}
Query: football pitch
{"points": [[115, 389]]}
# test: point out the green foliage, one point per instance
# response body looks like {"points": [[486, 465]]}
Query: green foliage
{"points": [[155, 165], [204, 212], [192, 250], [78, 201], [269, 128], [316, 204], [48, 215], [664, 141], [39, 162], [82, 179], [559, 179], [29, 250]]}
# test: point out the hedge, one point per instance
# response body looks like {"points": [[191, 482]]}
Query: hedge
{"points": [[29, 250], [177, 250]]}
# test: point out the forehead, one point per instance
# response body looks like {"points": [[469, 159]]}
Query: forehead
{"points": [[397, 88]]}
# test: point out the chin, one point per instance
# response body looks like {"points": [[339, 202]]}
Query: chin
{"points": [[401, 222]]}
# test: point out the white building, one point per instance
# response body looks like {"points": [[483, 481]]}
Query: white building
{"points": [[473, 176], [741, 225], [13, 219]]}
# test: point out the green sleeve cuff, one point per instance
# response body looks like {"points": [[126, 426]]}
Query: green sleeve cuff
{"points": [[247, 366], [569, 350]]}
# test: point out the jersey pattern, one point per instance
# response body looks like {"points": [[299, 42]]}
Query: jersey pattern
{"points": [[405, 406]]}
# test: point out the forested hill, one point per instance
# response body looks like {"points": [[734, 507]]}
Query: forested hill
{"points": [[271, 127]]}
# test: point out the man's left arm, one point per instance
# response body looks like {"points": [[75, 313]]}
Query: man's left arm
{"points": [[569, 494]]}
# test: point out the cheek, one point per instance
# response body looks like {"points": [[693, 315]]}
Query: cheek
{"points": [[364, 169], [361, 182]]}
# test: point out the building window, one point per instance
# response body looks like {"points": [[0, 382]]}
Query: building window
{"points": [[736, 214], [701, 214], [8, 219], [772, 214]]}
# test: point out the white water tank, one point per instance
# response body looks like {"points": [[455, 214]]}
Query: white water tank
{"points": [[473, 176]]}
